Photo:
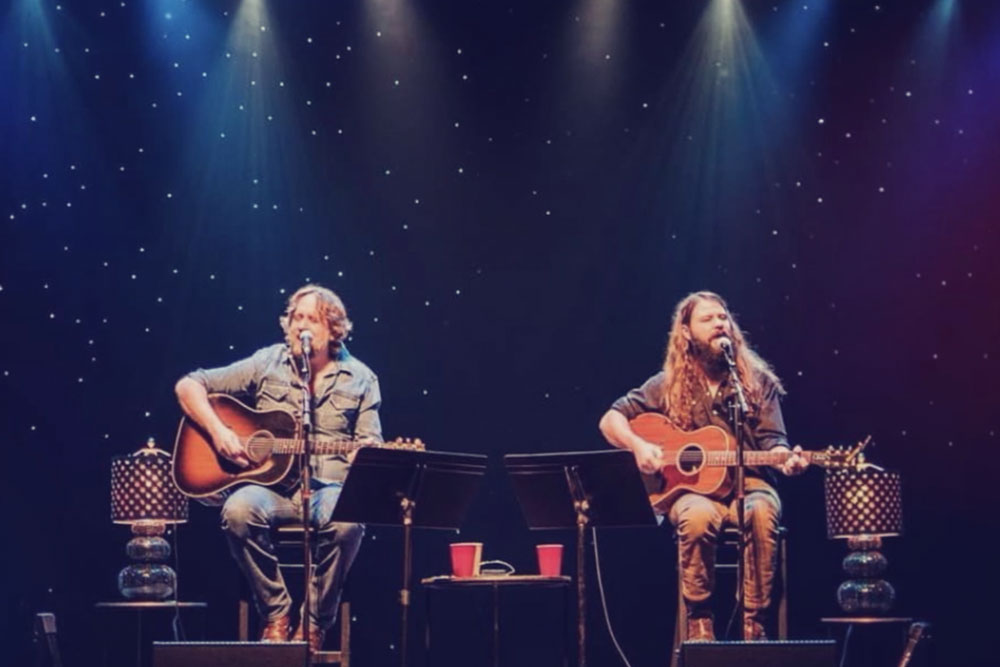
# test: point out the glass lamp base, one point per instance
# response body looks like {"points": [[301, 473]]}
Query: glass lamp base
{"points": [[865, 591], [147, 577], [873, 596], [147, 581]]}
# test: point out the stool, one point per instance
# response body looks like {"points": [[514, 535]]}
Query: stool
{"points": [[288, 544], [728, 544], [152, 620], [875, 649]]}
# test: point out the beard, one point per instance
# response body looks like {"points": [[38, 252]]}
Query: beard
{"points": [[711, 358]]}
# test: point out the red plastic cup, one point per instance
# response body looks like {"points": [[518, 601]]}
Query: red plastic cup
{"points": [[550, 559], [465, 558]]}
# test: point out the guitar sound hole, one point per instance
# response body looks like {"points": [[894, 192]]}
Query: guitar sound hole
{"points": [[259, 446], [691, 459]]}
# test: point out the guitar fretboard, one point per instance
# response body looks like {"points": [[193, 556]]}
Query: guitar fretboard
{"points": [[319, 447], [750, 458]]}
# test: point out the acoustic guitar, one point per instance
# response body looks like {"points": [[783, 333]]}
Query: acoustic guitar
{"points": [[271, 444], [701, 461]]}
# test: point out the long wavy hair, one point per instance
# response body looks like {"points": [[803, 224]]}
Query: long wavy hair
{"points": [[330, 307], [684, 378]]}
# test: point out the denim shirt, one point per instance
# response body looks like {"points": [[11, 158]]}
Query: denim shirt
{"points": [[346, 401], [763, 429]]}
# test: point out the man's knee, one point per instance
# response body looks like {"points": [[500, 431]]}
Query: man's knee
{"points": [[343, 533], [238, 518], [697, 519], [762, 512]]}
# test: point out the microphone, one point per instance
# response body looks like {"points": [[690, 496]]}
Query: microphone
{"points": [[306, 338], [726, 346]]}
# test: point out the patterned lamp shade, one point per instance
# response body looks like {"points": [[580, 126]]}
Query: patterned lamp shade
{"points": [[863, 502], [143, 490]]}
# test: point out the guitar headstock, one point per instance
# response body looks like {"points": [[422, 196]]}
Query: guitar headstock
{"points": [[842, 457], [415, 444]]}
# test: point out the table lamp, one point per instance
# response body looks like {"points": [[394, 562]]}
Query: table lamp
{"points": [[144, 496], [863, 505]]}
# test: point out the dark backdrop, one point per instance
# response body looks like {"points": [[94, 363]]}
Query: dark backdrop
{"points": [[510, 197]]}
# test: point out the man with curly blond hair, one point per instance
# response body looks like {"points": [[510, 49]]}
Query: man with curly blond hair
{"points": [[693, 390], [346, 400]]}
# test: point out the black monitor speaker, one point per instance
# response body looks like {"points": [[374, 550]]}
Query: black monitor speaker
{"points": [[759, 654], [228, 654]]}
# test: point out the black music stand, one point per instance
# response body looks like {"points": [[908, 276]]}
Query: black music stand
{"points": [[581, 489], [397, 487]]}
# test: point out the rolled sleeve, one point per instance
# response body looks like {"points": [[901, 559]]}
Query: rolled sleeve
{"points": [[239, 378], [769, 431], [369, 426], [645, 398]]}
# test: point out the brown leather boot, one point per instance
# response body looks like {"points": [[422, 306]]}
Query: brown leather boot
{"points": [[753, 628], [316, 637], [276, 630], [701, 629]]}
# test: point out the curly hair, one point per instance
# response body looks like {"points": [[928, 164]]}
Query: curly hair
{"points": [[330, 307], [684, 377]]}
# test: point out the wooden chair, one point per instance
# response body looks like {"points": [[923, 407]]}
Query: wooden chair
{"points": [[726, 555], [288, 544]]}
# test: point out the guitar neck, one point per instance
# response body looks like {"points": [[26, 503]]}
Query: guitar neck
{"points": [[319, 447], [753, 457]]}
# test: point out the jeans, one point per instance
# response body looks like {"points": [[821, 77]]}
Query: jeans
{"points": [[249, 515], [698, 521]]}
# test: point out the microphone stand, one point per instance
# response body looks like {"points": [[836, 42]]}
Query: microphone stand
{"points": [[581, 505], [738, 410], [305, 479]]}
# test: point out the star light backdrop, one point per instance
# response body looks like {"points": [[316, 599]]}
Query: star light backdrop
{"points": [[510, 197]]}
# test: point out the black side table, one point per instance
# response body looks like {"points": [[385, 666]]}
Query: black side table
{"points": [[496, 583], [849, 623], [158, 615]]}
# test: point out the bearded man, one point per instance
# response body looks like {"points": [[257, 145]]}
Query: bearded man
{"points": [[693, 390]]}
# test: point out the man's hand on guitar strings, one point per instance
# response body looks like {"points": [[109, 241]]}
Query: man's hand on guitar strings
{"points": [[648, 457], [228, 444]]}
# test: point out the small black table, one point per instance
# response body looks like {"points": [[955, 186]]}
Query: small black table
{"points": [[496, 583], [139, 609], [849, 623]]}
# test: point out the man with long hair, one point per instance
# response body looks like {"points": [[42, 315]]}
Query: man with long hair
{"points": [[693, 390], [346, 399]]}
